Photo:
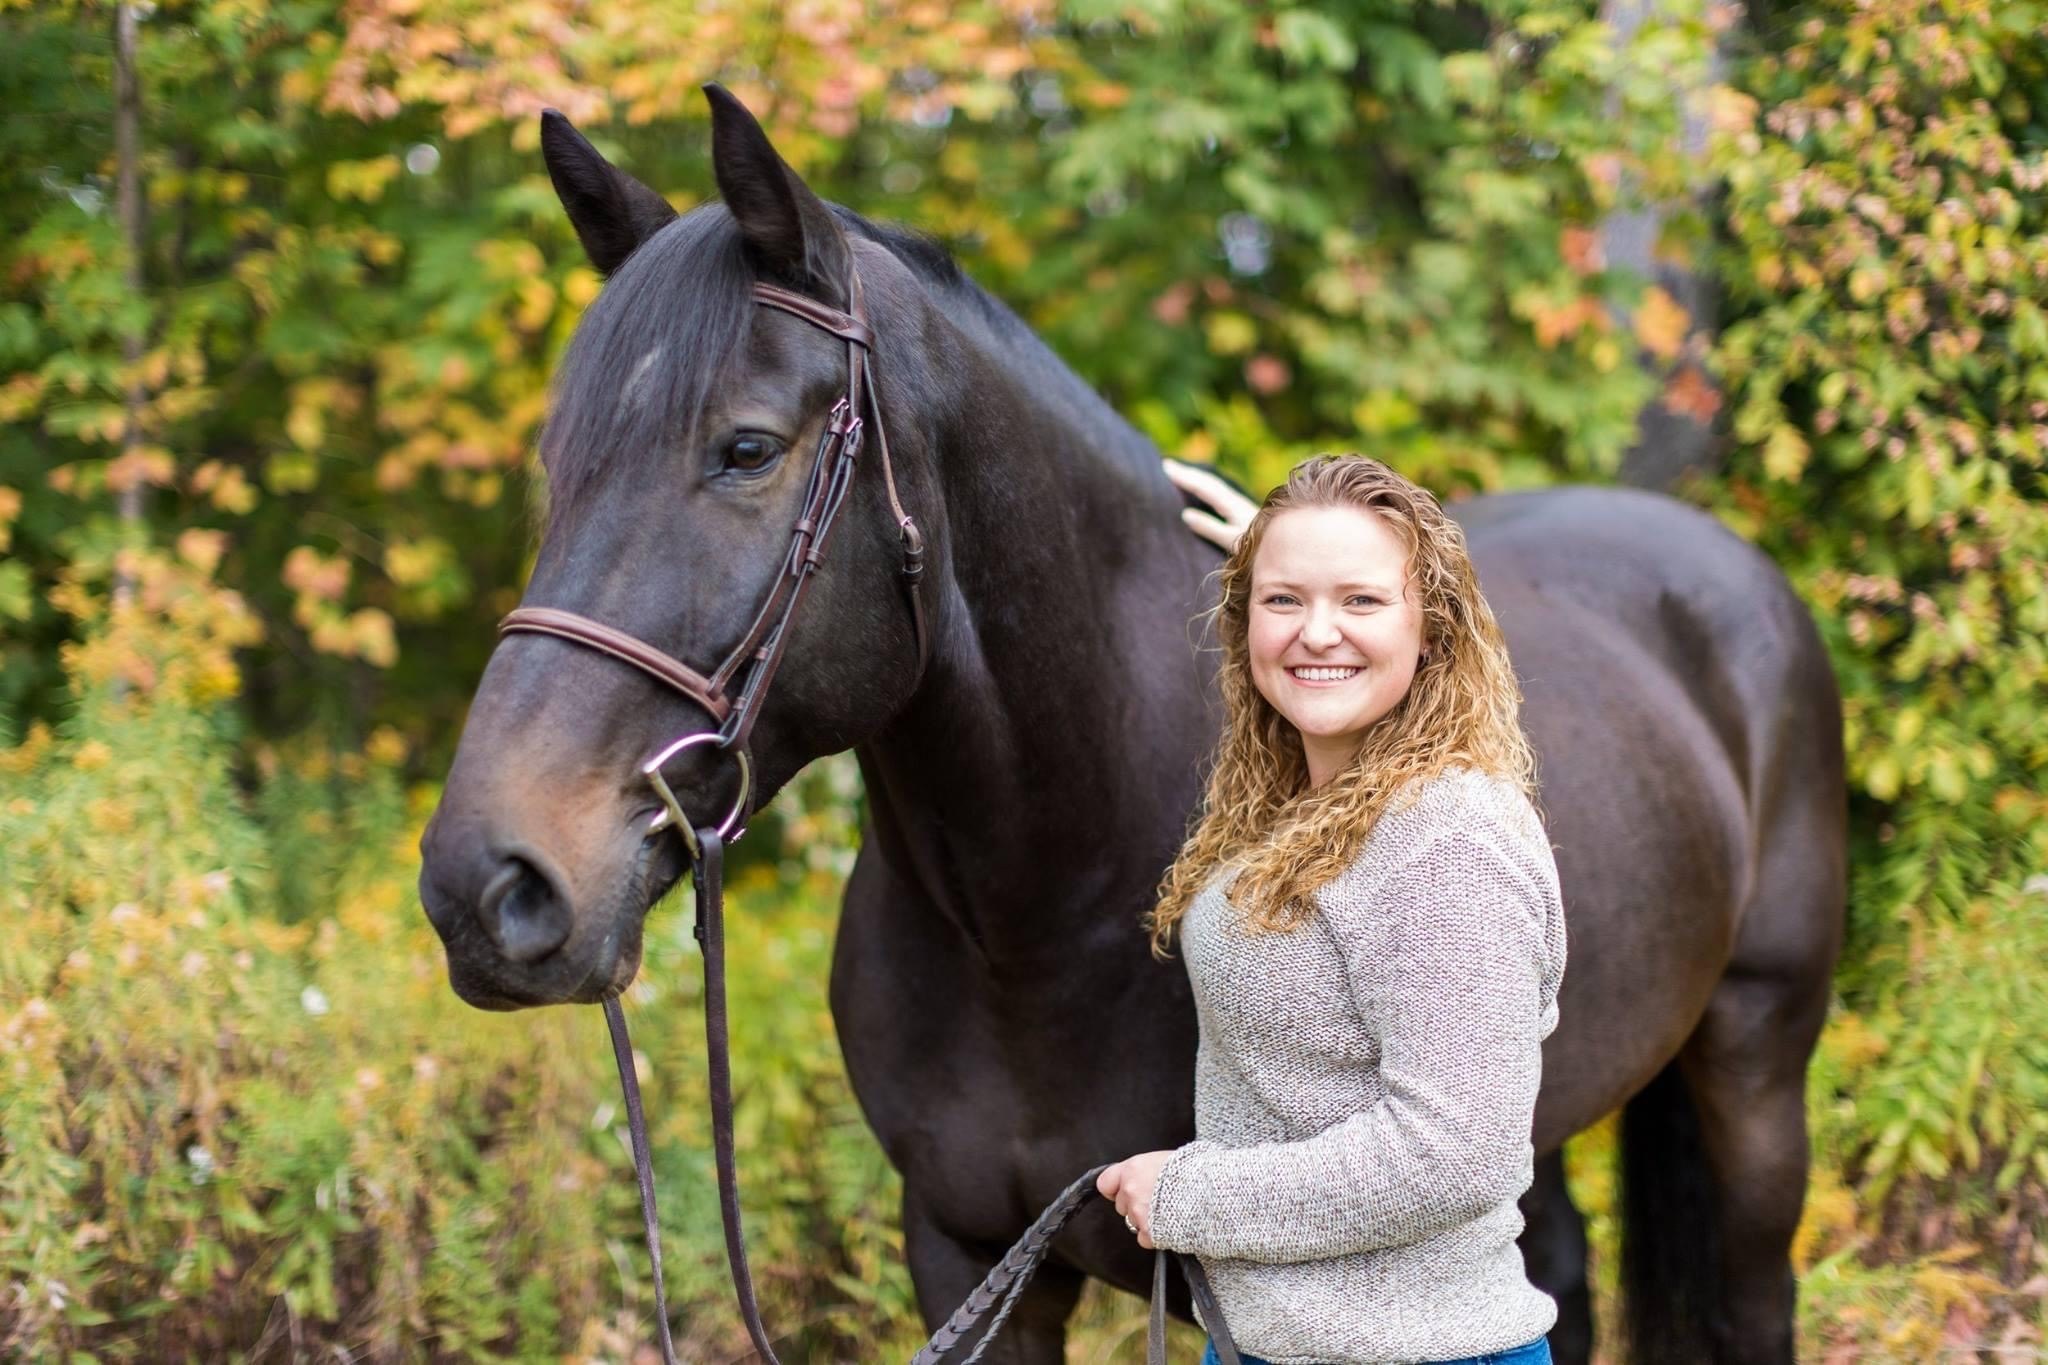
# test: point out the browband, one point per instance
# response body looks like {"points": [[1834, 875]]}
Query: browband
{"points": [[845, 326]]}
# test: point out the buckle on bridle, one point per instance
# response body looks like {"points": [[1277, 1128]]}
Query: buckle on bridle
{"points": [[841, 418], [672, 810]]}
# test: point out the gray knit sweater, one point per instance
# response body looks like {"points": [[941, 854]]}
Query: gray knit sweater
{"points": [[1364, 1089]]}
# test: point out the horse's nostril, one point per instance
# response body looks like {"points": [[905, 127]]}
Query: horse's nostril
{"points": [[522, 913]]}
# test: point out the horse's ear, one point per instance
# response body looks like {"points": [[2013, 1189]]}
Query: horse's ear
{"points": [[786, 226], [613, 213]]}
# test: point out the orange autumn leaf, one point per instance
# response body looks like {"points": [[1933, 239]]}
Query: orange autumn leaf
{"points": [[1691, 394], [1554, 325], [1581, 249], [1660, 324]]}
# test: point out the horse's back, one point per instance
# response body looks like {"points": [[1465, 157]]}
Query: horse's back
{"points": [[1679, 698], [1654, 575]]}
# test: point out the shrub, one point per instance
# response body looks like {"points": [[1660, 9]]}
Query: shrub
{"points": [[240, 1106], [1887, 369]]}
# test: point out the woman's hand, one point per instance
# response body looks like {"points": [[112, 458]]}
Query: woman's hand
{"points": [[1130, 1183], [1232, 510]]}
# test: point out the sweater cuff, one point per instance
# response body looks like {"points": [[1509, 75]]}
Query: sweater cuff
{"points": [[1175, 1218]]}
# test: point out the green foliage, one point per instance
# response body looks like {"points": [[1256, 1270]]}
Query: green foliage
{"points": [[1887, 245], [1362, 226], [239, 1105], [1276, 230], [221, 1128]]}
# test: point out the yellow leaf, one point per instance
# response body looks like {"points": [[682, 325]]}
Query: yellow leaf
{"points": [[536, 304], [364, 180], [234, 493], [1785, 454], [412, 562], [375, 640], [1729, 111], [1231, 333], [1866, 283], [1908, 724], [1660, 324], [290, 472], [581, 286], [385, 746], [306, 425], [202, 549]]}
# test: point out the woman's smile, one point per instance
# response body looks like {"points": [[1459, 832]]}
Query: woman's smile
{"points": [[1321, 675]]}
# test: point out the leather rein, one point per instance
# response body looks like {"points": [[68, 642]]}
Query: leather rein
{"points": [[753, 662]]}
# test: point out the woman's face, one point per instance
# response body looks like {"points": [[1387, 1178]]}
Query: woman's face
{"points": [[1334, 631]]}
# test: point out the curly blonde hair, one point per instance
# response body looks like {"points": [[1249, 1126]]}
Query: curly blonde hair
{"points": [[1284, 840]]}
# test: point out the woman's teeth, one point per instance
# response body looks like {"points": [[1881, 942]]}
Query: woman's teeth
{"points": [[1322, 674]]}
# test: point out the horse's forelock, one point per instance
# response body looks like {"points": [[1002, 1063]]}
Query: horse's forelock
{"points": [[646, 355]]}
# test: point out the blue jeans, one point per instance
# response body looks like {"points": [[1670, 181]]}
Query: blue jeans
{"points": [[1536, 1352]]}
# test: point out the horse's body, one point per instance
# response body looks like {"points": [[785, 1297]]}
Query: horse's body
{"points": [[1003, 1023]]}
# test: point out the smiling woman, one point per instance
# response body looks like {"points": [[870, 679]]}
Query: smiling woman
{"points": [[1346, 566], [1372, 926]]}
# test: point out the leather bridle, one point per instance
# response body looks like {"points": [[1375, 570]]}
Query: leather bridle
{"points": [[753, 662]]}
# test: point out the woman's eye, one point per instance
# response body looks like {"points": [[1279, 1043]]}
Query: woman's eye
{"points": [[752, 450]]}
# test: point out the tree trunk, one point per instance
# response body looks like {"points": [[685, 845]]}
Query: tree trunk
{"points": [[127, 157], [1674, 439]]}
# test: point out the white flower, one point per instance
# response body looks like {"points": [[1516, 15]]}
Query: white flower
{"points": [[313, 1000]]}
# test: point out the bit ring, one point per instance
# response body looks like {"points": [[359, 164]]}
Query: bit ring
{"points": [[671, 812]]}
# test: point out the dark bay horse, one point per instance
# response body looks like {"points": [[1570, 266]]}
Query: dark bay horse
{"points": [[1002, 1022]]}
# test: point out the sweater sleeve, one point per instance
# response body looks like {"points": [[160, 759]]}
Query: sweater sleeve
{"points": [[1459, 1011]]}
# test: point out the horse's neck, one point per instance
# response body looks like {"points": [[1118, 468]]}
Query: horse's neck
{"points": [[1049, 759]]}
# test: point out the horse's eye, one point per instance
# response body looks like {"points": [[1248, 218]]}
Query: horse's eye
{"points": [[751, 451]]}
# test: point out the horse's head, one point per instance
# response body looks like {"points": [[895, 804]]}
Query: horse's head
{"points": [[684, 426]]}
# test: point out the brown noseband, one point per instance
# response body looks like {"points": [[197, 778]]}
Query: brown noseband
{"points": [[754, 659]]}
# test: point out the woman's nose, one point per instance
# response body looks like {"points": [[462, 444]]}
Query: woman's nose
{"points": [[1320, 631]]}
